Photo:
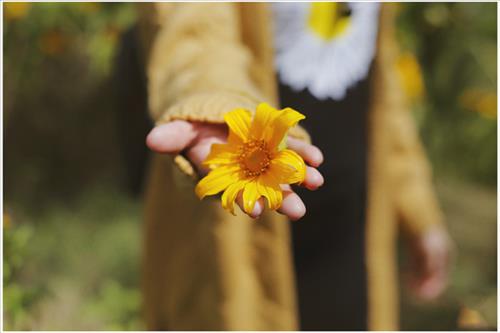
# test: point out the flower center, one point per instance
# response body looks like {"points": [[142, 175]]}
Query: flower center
{"points": [[254, 157], [329, 19]]}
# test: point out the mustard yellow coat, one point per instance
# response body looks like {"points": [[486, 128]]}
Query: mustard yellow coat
{"points": [[205, 269]]}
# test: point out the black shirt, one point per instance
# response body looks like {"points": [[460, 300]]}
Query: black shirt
{"points": [[329, 241]]}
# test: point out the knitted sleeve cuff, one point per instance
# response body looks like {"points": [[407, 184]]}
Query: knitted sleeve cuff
{"points": [[210, 107]]}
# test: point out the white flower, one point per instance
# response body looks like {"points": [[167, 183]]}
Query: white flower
{"points": [[327, 65]]}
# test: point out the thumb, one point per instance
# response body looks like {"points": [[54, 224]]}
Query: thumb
{"points": [[172, 137]]}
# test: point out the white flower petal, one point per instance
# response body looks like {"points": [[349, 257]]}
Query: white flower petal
{"points": [[326, 68]]}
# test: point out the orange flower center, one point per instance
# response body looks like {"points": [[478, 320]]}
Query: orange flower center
{"points": [[254, 157]]}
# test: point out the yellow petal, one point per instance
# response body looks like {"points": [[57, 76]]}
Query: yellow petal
{"points": [[238, 121], [282, 172], [280, 126], [217, 180], [250, 196], [230, 195], [288, 167], [269, 187], [264, 116], [234, 140], [221, 154]]}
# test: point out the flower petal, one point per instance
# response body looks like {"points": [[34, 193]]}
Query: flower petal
{"points": [[276, 132], [264, 116], [230, 195], [250, 196], [288, 167], [269, 187], [221, 154], [217, 180], [282, 172], [238, 121]]}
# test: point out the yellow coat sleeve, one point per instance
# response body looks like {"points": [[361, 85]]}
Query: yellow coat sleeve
{"points": [[198, 67], [415, 199]]}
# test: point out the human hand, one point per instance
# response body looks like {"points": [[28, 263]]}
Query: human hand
{"points": [[196, 138], [430, 263]]}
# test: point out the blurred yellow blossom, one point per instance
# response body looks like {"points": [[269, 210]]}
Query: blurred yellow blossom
{"points": [[481, 101], [89, 7], [52, 42], [410, 73], [469, 319], [6, 220], [112, 33], [15, 10]]}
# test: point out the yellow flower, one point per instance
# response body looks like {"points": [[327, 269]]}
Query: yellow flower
{"points": [[480, 100], [254, 159], [329, 19], [52, 43], [469, 319], [6, 220], [410, 74], [16, 10], [90, 7]]}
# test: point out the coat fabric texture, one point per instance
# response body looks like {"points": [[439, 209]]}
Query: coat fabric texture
{"points": [[205, 269]]}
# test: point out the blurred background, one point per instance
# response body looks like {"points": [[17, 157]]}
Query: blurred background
{"points": [[72, 208]]}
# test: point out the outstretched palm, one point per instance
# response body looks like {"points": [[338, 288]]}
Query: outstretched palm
{"points": [[196, 138]]}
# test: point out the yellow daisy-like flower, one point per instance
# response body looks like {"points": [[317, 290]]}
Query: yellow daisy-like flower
{"points": [[16, 10], [254, 160], [410, 74]]}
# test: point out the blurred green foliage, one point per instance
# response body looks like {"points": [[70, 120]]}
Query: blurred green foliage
{"points": [[456, 46], [57, 71], [76, 263], [44, 30], [72, 247], [17, 299]]}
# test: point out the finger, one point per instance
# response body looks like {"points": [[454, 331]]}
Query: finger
{"points": [[437, 278], [199, 152], [432, 259], [311, 154], [172, 137], [435, 251], [313, 179], [292, 206], [208, 134], [432, 287], [257, 209]]}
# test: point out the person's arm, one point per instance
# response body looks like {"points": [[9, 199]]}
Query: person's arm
{"points": [[414, 196], [416, 201], [198, 69], [418, 209]]}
